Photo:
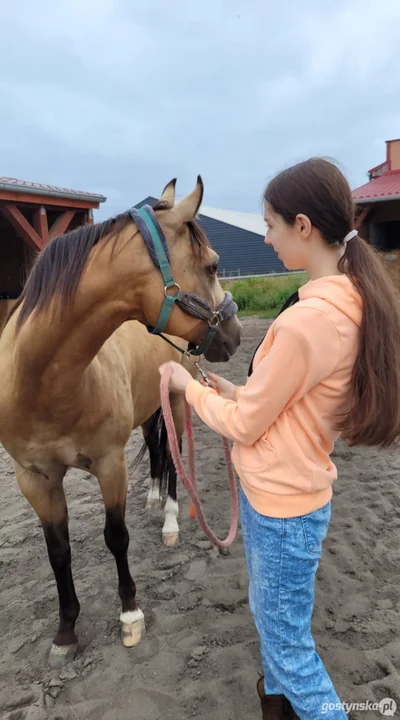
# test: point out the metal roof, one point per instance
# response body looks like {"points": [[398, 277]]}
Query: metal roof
{"points": [[30, 188], [247, 221], [385, 187]]}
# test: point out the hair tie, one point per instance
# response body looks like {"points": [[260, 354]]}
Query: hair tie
{"points": [[350, 236]]}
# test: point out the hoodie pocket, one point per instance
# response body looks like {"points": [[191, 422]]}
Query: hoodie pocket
{"points": [[259, 456]]}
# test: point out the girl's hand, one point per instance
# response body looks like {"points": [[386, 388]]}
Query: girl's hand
{"points": [[225, 389], [180, 376]]}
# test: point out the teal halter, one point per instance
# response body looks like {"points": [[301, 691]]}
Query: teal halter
{"points": [[153, 236]]}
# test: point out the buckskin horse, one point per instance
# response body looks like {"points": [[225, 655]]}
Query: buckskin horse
{"points": [[79, 358]]}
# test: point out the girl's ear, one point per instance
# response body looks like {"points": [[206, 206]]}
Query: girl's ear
{"points": [[303, 226]]}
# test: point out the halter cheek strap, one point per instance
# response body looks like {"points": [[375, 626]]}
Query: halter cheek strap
{"points": [[154, 239], [150, 229]]}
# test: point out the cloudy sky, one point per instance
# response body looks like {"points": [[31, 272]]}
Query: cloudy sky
{"points": [[119, 96]]}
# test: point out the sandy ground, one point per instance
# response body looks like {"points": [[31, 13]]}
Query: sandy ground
{"points": [[200, 655]]}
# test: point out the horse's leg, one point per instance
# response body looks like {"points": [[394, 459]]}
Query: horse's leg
{"points": [[151, 437], [170, 531], [154, 499], [112, 475], [46, 496], [162, 469]]}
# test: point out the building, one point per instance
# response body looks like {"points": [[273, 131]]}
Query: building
{"points": [[378, 208], [30, 215], [238, 238]]}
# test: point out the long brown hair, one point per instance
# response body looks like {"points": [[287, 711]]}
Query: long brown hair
{"points": [[318, 189]]}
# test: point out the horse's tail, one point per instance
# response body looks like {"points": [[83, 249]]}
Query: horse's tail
{"points": [[156, 442]]}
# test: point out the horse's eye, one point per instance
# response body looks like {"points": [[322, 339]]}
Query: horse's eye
{"points": [[213, 269]]}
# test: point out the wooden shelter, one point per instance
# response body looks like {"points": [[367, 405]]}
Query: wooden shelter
{"points": [[31, 215]]}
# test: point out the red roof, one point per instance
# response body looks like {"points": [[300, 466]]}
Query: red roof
{"points": [[7, 183], [384, 187]]}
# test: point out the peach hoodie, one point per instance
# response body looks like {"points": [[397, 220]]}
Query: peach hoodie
{"points": [[281, 421]]}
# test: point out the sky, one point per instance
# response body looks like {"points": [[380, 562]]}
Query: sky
{"points": [[120, 96]]}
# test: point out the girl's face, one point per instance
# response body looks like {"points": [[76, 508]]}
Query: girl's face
{"points": [[289, 241]]}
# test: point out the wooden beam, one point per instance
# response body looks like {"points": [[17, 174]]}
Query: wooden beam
{"points": [[61, 223], [360, 219], [31, 199], [40, 223], [22, 227]]}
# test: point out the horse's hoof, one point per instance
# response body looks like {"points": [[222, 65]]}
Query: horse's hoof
{"points": [[61, 655], [170, 539], [153, 504], [133, 627]]}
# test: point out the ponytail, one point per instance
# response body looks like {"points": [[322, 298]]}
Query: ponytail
{"points": [[373, 413]]}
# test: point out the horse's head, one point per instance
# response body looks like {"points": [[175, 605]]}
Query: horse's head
{"points": [[194, 266]]}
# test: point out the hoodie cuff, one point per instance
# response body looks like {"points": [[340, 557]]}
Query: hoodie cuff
{"points": [[193, 391], [238, 391]]}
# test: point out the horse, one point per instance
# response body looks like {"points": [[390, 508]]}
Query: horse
{"points": [[79, 358]]}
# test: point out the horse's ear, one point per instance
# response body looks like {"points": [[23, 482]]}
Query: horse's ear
{"points": [[186, 209], [168, 194]]}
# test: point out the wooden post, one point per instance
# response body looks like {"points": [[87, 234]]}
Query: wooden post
{"points": [[61, 223], [40, 223], [359, 221]]}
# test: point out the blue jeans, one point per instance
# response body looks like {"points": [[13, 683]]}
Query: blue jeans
{"points": [[282, 559]]}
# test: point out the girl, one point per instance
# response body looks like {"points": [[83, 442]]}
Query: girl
{"points": [[329, 365]]}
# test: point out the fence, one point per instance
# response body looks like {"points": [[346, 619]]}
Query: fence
{"points": [[232, 275]]}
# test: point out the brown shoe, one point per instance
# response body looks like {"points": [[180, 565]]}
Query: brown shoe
{"points": [[275, 707]]}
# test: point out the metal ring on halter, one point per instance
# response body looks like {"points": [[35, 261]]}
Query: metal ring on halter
{"points": [[168, 287], [215, 316], [189, 357]]}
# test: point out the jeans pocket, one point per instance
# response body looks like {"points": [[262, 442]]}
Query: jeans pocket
{"points": [[315, 528]]}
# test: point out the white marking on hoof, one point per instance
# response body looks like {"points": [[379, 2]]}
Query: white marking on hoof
{"points": [[133, 627], [170, 539], [170, 531], [154, 499], [60, 655]]}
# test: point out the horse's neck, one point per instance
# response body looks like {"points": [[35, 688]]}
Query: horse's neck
{"points": [[59, 349], [52, 356], [54, 350]]}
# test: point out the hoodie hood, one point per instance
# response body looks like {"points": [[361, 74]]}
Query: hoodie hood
{"points": [[339, 291]]}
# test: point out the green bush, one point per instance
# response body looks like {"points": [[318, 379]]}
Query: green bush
{"points": [[263, 295]]}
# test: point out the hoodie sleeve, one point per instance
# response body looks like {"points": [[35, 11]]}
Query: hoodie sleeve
{"points": [[305, 351]]}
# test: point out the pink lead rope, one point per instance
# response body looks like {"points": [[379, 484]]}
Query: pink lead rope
{"points": [[190, 482]]}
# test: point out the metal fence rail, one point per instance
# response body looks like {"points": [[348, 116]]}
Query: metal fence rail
{"points": [[238, 276]]}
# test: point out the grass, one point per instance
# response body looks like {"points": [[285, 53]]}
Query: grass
{"points": [[263, 296]]}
